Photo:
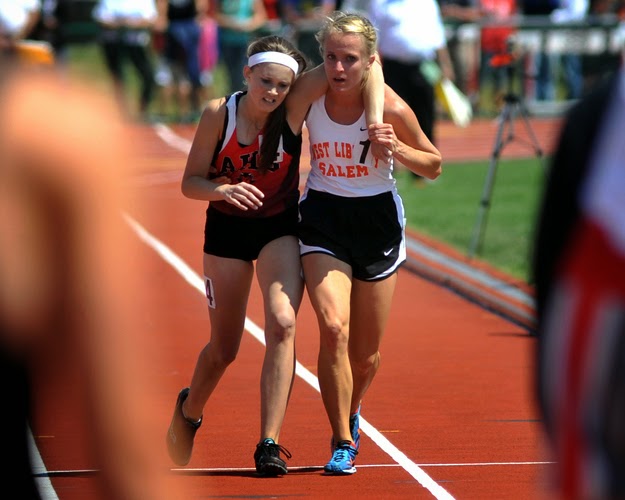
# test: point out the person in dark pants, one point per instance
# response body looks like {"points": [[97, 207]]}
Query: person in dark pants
{"points": [[181, 20], [411, 35], [126, 35]]}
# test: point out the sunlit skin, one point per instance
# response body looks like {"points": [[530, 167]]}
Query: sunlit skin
{"points": [[399, 135], [352, 314], [345, 63], [267, 86]]}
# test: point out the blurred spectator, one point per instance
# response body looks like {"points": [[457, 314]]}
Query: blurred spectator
{"points": [[305, 17], [18, 18], [542, 62], [357, 6], [173, 89], [209, 55], [463, 18], [497, 50], [595, 67], [71, 329], [181, 20], [238, 20], [571, 11], [53, 20], [546, 66], [126, 35], [579, 272], [274, 24], [173, 97], [411, 37]]}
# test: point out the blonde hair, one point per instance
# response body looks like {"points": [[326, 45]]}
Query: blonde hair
{"points": [[349, 23]]}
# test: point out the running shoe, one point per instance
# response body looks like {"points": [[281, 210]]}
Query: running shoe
{"points": [[267, 458], [181, 433], [343, 458], [354, 429]]}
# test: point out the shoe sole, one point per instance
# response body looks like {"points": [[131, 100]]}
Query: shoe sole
{"points": [[272, 470], [171, 439], [342, 472], [173, 453]]}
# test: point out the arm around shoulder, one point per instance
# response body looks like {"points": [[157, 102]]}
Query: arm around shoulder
{"points": [[308, 87], [403, 135]]}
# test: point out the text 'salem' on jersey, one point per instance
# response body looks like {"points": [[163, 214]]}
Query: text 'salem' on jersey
{"points": [[344, 151]]}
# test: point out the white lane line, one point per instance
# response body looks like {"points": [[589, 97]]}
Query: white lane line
{"points": [[213, 470], [42, 480], [169, 137], [195, 281]]}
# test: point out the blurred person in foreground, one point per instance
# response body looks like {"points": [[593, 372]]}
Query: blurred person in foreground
{"points": [[69, 327], [579, 271]]}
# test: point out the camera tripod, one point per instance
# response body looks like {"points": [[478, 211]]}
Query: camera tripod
{"points": [[513, 107]]}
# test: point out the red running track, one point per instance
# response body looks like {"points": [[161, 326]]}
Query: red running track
{"points": [[451, 413]]}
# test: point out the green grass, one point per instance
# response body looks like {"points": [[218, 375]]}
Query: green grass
{"points": [[447, 209]]}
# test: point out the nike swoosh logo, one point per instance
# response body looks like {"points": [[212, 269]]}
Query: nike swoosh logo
{"points": [[387, 252], [363, 129]]}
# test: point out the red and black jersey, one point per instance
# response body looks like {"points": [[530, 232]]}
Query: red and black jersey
{"points": [[239, 162]]}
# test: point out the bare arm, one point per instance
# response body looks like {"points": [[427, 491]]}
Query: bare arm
{"points": [[402, 134], [373, 93], [373, 96], [444, 61], [309, 87], [161, 21], [195, 182], [260, 16], [202, 8]]}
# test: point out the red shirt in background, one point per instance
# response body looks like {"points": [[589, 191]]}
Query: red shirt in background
{"points": [[494, 37]]}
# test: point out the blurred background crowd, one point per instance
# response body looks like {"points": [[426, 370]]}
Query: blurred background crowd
{"points": [[185, 51]]}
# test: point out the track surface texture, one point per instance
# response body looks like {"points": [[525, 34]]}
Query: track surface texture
{"points": [[450, 415]]}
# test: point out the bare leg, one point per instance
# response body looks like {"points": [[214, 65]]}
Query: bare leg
{"points": [[280, 279], [371, 304], [328, 282], [231, 280]]}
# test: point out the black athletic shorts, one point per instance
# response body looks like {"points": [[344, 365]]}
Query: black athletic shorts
{"points": [[366, 232], [244, 237]]}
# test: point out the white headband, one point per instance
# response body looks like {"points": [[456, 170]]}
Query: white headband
{"points": [[274, 57]]}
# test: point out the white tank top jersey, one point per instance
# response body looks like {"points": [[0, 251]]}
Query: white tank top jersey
{"points": [[341, 159]]}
